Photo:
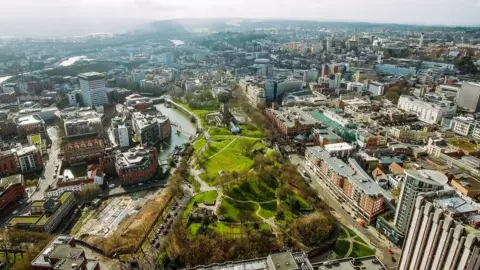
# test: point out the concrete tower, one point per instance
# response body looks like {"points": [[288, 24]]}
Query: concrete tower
{"points": [[420, 44]]}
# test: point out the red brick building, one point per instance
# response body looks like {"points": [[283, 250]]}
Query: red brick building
{"points": [[82, 147], [8, 128], [8, 163], [30, 125], [137, 165], [11, 188], [290, 122]]}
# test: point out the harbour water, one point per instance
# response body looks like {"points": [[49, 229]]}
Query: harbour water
{"points": [[70, 61], [180, 123]]}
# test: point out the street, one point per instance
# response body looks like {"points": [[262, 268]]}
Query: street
{"points": [[369, 233], [50, 165]]}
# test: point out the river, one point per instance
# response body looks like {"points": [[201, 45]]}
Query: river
{"points": [[2, 79], [187, 129], [70, 61]]}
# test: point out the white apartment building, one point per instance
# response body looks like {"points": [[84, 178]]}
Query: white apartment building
{"points": [[428, 111], [123, 138], [442, 233], [93, 89], [72, 99], [416, 181], [463, 125], [376, 88]]}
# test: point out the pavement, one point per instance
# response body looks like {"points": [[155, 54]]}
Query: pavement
{"points": [[50, 165], [368, 233]]}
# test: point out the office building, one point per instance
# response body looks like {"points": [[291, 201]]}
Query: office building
{"points": [[85, 125], [430, 111], [120, 131], [93, 89], [469, 96], [348, 183], [62, 253], [295, 261], [8, 162], [443, 233], [11, 189], [290, 122], [45, 215], [376, 88], [365, 74], [29, 159], [83, 147], [136, 165], [150, 128], [30, 125], [416, 181], [463, 125]]}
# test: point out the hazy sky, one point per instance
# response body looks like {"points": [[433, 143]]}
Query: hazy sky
{"points": [[77, 16]]}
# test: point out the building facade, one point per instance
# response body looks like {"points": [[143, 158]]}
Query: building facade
{"points": [[92, 85], [443, 233], [62, 253], [348, 182], [428, 111], [415, 182], [136, 165], [290, 122], [469, 96], [149, 128], [29, 159], [11, 188], [82, 147]]}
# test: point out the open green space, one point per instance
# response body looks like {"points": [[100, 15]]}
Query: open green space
{"points": [[360, 250], [359, 239], [208, 197], [250, 130], [232, 230], [194, 183], [234, 211], [252, 190], [232, 158], [341, 248]]}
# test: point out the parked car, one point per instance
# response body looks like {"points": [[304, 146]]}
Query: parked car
{"points": [[152, 241], [111, 186], [157, 245], [168, 215], [165, 231]]}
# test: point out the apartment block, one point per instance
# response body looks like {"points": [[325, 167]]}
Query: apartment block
{"points": [[45, 215], [11, 188], [430, 111], [83, 147], [290, 122], [443, 233], [348, 182]]}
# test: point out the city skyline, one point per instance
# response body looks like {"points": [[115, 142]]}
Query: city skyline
{"points": [[60, 17]]}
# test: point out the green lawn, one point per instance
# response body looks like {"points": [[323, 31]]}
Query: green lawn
{"points": [[359, 239], [198, 144], [341, 248], [269, 209], [194, 227], [206, 197], [343, 234], [361, 251], [194, 183], [230, 211], [249, 130], [219, 131], [251, 190], [352, 233], [230, 159]]}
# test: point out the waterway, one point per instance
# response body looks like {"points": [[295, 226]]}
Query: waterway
{"points": [[177, 42], [70, 61], [179, 122], [2, 79]]}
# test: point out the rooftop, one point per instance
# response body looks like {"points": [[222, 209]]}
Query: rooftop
{"points": [[23, 220], [290, 114], [64, 196], [80, 136], [343, 146], [91, 76], [10, 180], [429, 176]]}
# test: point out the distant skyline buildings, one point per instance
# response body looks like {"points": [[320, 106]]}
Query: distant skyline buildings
{"points": [[61, 17]]}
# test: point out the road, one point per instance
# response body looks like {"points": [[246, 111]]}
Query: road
{"points": [[369, 233], [50, 165]]}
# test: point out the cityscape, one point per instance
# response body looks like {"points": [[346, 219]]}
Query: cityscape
{"points": [[241, 144]]}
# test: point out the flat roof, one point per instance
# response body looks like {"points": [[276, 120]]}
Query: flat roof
{"points": [[429, 176], [10, 180], [338, 146], [64, 196], [42, 220], [455, 205], [91, 76], [469, 183], [23, 220]]}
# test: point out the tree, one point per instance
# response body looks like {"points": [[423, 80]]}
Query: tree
{"points": [[312, 228], [89, 192], [466, 65]]}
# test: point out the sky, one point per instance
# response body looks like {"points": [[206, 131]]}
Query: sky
{"points": [[75, 17]]}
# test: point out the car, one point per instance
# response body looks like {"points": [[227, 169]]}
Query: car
{"points": [[161, 226], [169, 225], [173, 207], [170, 222], [140, 184], [152, 241], [169, 215], [175, 204], [111, 186], [157, 245], [165, 231], [175, 214]]}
